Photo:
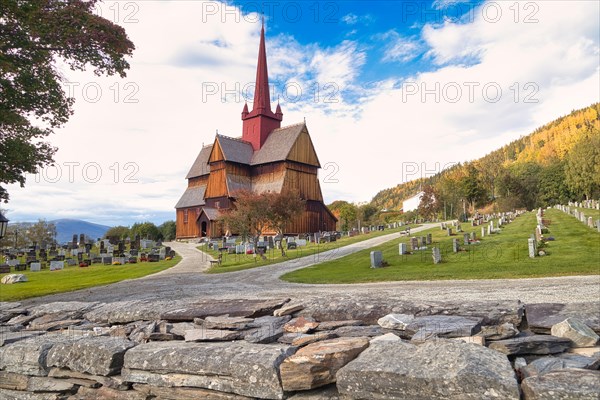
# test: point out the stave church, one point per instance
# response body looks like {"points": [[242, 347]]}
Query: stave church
{"points": [[267, 157]]}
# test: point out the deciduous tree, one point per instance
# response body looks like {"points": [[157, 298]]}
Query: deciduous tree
{"points": [[35, 36]]}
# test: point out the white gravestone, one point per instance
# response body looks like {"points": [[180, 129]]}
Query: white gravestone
{"points": [[56, 265], [35, 267]]}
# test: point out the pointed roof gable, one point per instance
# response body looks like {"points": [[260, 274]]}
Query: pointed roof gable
{"points": [[280, 144], [235, 150], [200, 166]]}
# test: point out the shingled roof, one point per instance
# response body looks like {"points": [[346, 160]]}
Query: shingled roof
{"points": [[235, 150], [200, 166], [192, 197], [278, 144]]}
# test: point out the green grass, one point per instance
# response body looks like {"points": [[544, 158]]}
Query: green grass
{"points": [[576, 251], [74, 278], [238, 262]]}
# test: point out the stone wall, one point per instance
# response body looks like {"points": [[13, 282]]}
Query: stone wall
{"points": [[275, 349]]}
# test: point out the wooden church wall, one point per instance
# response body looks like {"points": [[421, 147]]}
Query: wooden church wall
{"points": [[190, 228]]}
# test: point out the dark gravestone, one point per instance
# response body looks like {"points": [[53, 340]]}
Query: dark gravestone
{"points": [[137, 241], [291, 245], [74, 241], [107, 260], [88, 248], [4, 269], [132, 260], [121, 246], [153, 257], [81, 239], [43, 255], [172, 253], [133, 252], [96, 260], [102, 246], [79, 257]]}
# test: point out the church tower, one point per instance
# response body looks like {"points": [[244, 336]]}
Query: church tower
{"points": [[258, 123]]}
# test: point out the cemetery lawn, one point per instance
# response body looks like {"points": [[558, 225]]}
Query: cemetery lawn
{"points": [[238, 262], [504, 255], [589, 212], [47, 282]]}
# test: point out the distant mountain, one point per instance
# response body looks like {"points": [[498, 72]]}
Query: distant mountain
{"points": [[66, 228]]}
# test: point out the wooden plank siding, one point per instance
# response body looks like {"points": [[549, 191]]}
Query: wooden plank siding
{"points": [[217, 183], [198, 181], [187, 227], [303, 151]]}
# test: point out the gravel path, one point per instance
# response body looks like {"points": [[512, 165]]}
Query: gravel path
{"points": [[187, 279]]}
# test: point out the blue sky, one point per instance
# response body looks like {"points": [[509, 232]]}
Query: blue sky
{"points": [[390, 91]]}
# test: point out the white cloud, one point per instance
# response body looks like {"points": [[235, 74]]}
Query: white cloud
{"points": [[444, 4], [399, 48]]}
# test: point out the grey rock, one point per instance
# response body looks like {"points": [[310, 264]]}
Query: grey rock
{"points": [[12, 381], [142, 331], [179, 328], [435, 370], [542, 316], [49, 322], [106, 393], [266, 329], [447, 326], [316, 364], [239, 367], [329, 392], [499, 332], [359, 331], [388, 337], [162, 337], [563, 385], [72, 309], [370, 309], [123, 312], [581, 361], [112, 382], [536, 344], [93, 355], [396, 321], [331, 325], [211, 335], [234, 308], [12, 337], [234, 323], [28, 356], [288, 310], [21, 319], [179, 393], [305, 339], [13, 278], [574, 329], [300, 325], [6, 394], [43, 384]]}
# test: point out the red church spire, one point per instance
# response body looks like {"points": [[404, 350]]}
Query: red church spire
{"points": [[262, 99], [259, 123]]}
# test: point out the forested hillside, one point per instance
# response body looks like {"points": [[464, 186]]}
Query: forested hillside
{"points": [[559, 161]]}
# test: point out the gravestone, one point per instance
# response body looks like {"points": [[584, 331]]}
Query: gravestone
{"points": [[88, 248], [74, 241], [473, 236], [240, 249], [71, 262], [423, 241], [56, 265], [437, 256], [466, 239], [482, 231], [35, 266], [120, 260], [414, 243], [402, 249], [590, 222], [107, 260], [455, 247], [532, 247], [598, 225], [429, 239], [377, 259], [271, 242], [292, 246], [489, 230], [301, 242], [449, 231]]}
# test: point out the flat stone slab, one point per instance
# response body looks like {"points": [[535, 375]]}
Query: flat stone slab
{"points": [[331, 325], [435, 370], [28, 356], [234, 323], [211, 335], [359, 331], [300, 325], [266, 329], [94, 355], [446, 326], [562, 385], [73, 309], [12, 337], [316, 364], [574, 329], [6, 394], [232, 308], [536, 344], [178, 393], [396, 321], [369, 310], [239, 367], [122, 312], [542, 316]]}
